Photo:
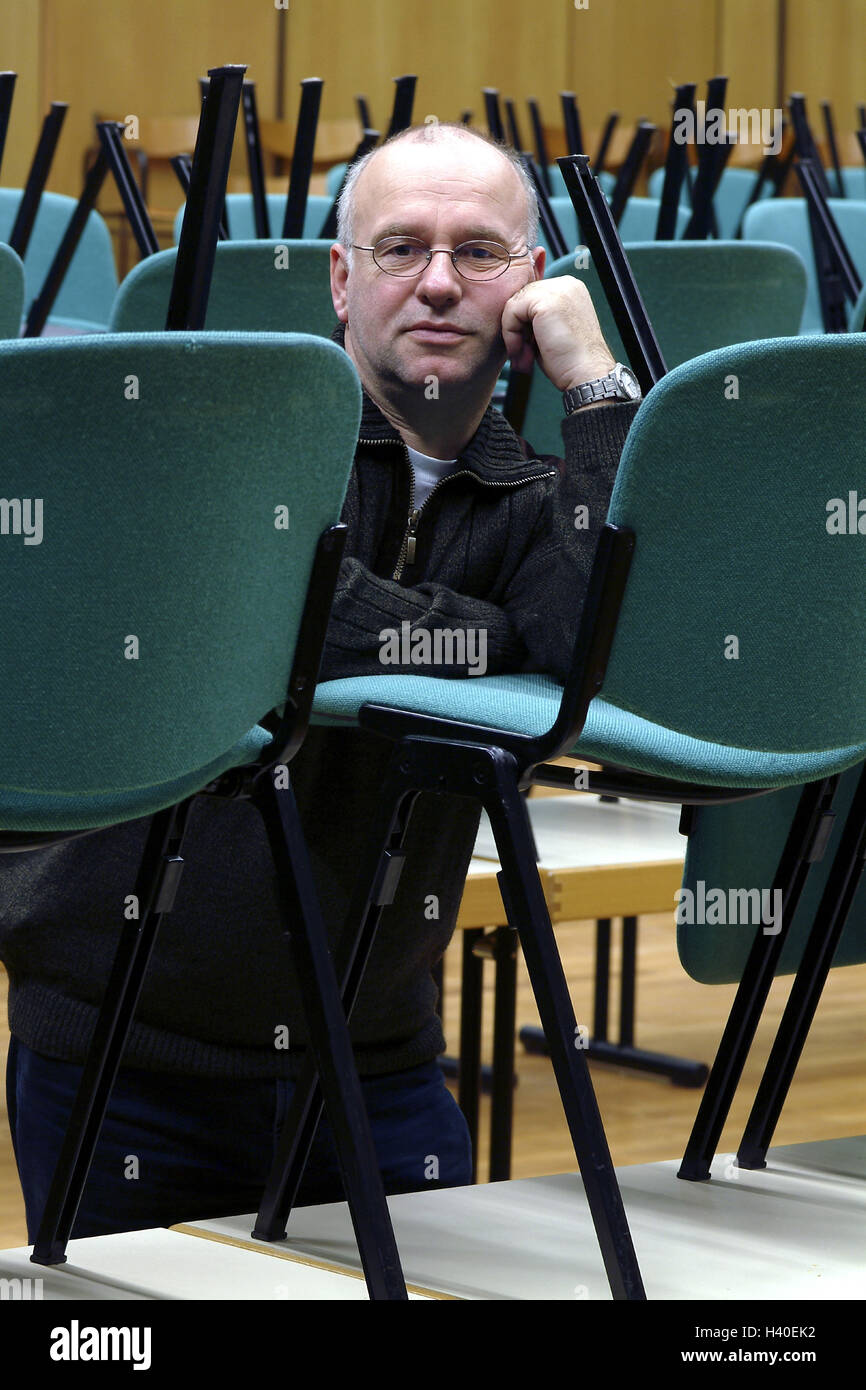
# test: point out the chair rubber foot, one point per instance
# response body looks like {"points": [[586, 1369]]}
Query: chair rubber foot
{"points": [[751, 1158], [270, 1234], [55, 1254], [694, 1170]]}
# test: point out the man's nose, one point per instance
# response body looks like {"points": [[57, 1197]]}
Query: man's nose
{"points": [[439, 278]]}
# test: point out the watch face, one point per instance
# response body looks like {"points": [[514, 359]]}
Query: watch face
{"points": [[627, 381]]}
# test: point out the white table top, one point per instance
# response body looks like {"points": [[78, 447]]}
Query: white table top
{"points": [[168, 1264], [579, 830], [791, 1231]]}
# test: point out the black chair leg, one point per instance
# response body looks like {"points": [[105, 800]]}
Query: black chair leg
{"points": [[155, 889], [489, 775], [469, 1066], [331, 1046], [504, 1016], [375, 887], [525, 904], [836, 900], [807, 830]]}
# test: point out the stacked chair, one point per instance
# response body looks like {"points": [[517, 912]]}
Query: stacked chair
{"points": [[764, 847], [144, 722], [699, 295], [85, 300], [786, 222], [650, 695], [264, 286]]}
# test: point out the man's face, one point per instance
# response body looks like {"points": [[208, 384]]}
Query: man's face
{"points": [[443, 193]]}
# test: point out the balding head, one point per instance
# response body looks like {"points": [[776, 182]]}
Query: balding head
{"points": [[413, 153]]}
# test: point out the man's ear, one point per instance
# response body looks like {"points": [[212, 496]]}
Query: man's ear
{"points": [[539, 260], [339, 276]]}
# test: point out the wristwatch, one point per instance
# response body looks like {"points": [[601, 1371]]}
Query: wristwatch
{"points": [[619, 385]]}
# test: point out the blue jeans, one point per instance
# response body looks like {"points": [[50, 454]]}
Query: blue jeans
{"points": [[180, 1148]]}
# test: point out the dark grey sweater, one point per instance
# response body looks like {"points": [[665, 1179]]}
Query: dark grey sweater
{"points": [[497, 549]]}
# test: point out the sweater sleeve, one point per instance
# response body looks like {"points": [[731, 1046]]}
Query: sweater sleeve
{"points": [[545, 598], [366, 605], [534, 627]]}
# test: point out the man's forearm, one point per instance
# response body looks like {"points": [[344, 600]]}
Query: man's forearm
{"points": [[368, 635]]}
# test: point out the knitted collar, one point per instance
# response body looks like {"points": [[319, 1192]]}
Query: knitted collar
{"points": [[494, 452]]}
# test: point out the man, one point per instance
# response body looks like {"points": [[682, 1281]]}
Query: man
{"points": [[208, 1073]]}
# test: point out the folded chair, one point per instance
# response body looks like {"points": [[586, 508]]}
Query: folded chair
{"points": [[699, 295], [734, 189], [260, 286], [651, 695], [178, 593], [85, 299], [241, 217], [638, 221], [786, 221], [736, 859]]}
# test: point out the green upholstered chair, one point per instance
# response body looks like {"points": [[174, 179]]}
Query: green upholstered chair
{"points": [[857, 321], [715, 526], [241, 219], [735, 865], [334, 178], [853, 180], [165, 629], [733, 193], [253, 289], [786, 221], [699, 295], [638, 222], [88, 290], [11, 292]]}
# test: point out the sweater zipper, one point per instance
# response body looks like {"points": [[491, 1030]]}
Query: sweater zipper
{"points": [[407, 549]]}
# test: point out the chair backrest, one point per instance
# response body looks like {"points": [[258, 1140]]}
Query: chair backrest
{"points": [[184, 480], [853, 180], [11, 292], [699, 295], [638, 222], [334, 178], [857, 317], [241, 218], [742, 613], [737, 849], [731, 196], [257, 287], [786, 221], [88, 290]]}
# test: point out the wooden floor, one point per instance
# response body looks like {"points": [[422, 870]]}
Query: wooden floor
{"points": [[646, 1119]]}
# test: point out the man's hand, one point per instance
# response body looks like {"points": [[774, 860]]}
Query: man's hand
{"points": [[554, 322]]}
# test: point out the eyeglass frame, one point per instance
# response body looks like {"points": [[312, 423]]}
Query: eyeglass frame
{"points": [[433, 250]]}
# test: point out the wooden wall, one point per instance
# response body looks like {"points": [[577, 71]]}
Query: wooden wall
{"points": [[144, 58]]}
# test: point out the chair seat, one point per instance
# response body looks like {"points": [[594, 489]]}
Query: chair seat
{"points": [[528, 704], [26, 810]]}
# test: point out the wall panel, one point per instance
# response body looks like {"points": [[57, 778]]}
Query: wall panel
{"points": [[624, 54], [20, 49], [825, 57]]}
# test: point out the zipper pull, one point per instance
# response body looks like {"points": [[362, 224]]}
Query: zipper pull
{"points": [[411, 537]]}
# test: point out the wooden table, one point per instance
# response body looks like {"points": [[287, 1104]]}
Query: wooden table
{"points": [[598, 860]]}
